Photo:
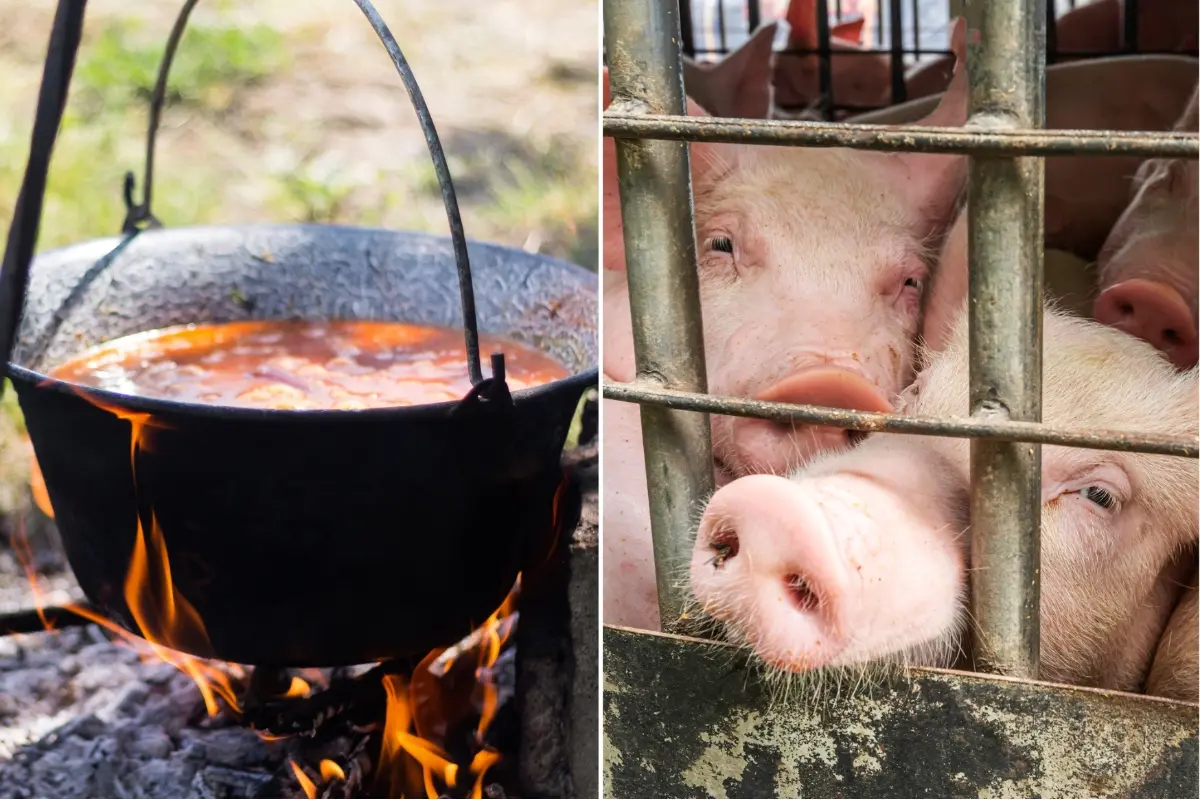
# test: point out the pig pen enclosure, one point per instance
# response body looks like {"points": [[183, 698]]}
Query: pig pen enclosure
{"points": [[679, 722]]}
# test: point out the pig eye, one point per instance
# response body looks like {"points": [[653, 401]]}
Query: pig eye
{"points": [[914, 283], [1100, 497], [722, 244]]}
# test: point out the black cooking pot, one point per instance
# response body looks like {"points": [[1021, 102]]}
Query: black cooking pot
{"points": [[301, 538], [304, 537]]}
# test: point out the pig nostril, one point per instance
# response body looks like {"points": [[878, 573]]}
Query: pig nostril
{"points": [[1126, 309], [804, 598], [1171, 337], [724, 544]]}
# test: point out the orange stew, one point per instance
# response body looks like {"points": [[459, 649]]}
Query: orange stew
{"points": [[300, 365]]}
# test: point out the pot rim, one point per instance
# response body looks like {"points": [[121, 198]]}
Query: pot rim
{"points": [[131, 402], [579, 380]]}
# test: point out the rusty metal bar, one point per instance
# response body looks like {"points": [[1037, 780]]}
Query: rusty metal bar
{"points": [[1006, 65], [896, 29], [1129, 23], [1004, 431], [968, 140], [654, 177], [824, 60]]}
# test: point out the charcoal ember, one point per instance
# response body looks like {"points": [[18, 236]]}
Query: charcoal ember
{"points": [[112, 726], [214, 782]]}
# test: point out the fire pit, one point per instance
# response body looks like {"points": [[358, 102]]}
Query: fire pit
{"points": [[207, 537]]}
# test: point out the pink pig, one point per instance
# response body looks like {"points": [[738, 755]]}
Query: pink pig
{"points": [[812, 264], [856, 80], [1149, 268], [1164, 26], [861, 555]]}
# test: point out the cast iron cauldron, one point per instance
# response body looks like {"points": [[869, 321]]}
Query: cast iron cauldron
{"points": [[305, 537]]}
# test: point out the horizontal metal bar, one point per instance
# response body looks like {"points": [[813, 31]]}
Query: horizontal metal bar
{"points": [[1033, 432], [967, 140]]}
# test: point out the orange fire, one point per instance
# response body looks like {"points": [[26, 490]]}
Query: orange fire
{"points": [[167, 621], [306, 783], [37, 483], [331, 771], [418, 711]]}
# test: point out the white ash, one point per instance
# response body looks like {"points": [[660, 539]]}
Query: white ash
{"points": [[81, 716]]}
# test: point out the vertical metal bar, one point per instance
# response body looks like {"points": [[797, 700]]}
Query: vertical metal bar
{"points": [[753, 16], [723, 44], [824, 54], [642, 39], [837, 10], [896, 28], [1051, 33], [1006, 67], [686, 32], [1130, 20], [879, 23], [915, 7]]}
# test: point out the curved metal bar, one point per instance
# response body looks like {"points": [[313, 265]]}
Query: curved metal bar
{"points": [[137, 214], [142, 213], [27, 212]]}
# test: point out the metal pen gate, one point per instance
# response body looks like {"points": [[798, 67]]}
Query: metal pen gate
{"points": [[1006, 145]]}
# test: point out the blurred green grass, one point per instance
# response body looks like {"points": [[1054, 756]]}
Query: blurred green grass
{"points": [[544, 198]]}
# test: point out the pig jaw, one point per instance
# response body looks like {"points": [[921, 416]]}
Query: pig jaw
{"points": [[828, 572]]}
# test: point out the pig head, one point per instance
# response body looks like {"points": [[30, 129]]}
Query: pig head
{"points": [[812, 265], [1149, 267], [863, 555]]}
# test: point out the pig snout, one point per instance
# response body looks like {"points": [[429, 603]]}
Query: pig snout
{"points": [[1154, 312], [767, 446], [825, 571]]}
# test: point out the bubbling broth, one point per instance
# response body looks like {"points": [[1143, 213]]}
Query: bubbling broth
{"points": [[300, 365]]}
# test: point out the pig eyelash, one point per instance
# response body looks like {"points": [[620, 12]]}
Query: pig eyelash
{"points": [[1101, 497], [720, 244]]}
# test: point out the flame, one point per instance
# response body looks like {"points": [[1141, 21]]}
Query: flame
{"points": [[167, 621], [310, 788], [24, 554], [398, 744], [497, 634], [37, 482], [423, 709], [331, 771], [298, 688]]}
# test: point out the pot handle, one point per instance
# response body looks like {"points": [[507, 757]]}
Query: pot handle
{"points": [[139, 215]]}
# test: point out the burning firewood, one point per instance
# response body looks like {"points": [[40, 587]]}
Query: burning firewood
{"points": [[504, 627]]}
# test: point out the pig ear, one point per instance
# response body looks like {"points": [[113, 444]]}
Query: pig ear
{"points": [[802, 19], [935, 182], [850, 31], [952, 109], [740, 84]]}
